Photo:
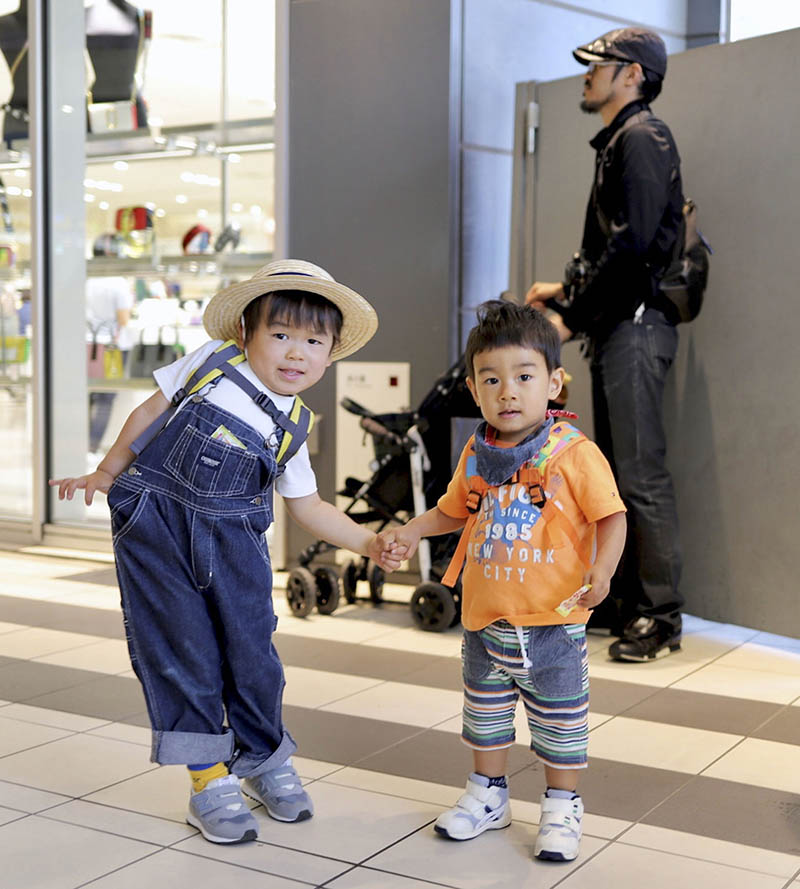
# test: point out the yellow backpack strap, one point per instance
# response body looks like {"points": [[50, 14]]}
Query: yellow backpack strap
{"points": [[210, 370], [225, 355], [302, 419]]}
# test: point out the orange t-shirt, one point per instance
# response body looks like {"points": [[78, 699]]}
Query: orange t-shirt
{"points": [[517, 567]]}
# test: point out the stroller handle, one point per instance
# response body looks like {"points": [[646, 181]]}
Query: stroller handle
{"points": [[378, 430], [354, 407]]}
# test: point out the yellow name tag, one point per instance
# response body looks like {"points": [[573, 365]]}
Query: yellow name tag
{"points": [[222, 433]]}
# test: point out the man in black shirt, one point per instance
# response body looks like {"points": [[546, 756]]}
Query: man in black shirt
{"points": [[612, 299]]}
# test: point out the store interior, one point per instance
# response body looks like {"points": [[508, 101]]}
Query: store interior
{"points": [[178, 191]]}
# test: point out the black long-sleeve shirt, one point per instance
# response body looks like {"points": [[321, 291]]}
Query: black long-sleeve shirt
{"points": [[632, 221]]}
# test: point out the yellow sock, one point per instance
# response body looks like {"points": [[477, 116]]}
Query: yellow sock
{"points": [[201, 777]]}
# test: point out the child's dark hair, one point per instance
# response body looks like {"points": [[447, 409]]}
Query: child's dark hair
{"points": [[510, 324], [298, 308]]}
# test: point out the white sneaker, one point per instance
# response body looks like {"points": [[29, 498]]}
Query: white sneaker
{"points": [[480, 808], [559, 829]]}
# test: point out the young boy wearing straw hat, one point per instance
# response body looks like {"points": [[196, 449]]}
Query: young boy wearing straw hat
{"points": [[189, 483]]}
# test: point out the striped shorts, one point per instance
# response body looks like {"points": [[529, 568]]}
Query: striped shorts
{"points": [[554, 689]]}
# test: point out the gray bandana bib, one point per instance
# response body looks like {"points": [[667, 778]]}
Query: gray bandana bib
{"points": [[497, 465]]}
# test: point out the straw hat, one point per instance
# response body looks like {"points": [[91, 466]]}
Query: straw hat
{"points": [[223, 315]]}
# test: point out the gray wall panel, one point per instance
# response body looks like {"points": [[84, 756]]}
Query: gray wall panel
{"points": [[486, 218], [370, 166], [732, 414]]}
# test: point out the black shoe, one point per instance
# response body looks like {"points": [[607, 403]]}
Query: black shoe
{"points": [[606, 620], [645, 639]]}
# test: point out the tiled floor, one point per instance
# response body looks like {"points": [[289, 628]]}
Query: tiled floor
{"points": [[694, 778]]}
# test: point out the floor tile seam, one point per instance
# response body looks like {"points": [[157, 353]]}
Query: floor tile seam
{"points": [[792, 881], [54, 623], [582, 863], [69, 734], [383, 870], [708, 663], [38, 658], [36, 551], [331, 858], [376, 684], [738, 867], [394, 843], [783, 708], [245, 867], [770, 671], [48, 816], [662, 724], [115, 870], [79, 731], [729, 751], [389, 746]]}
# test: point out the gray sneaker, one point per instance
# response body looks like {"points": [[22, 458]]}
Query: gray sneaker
{"points": [[281, 793], [220, 813]]}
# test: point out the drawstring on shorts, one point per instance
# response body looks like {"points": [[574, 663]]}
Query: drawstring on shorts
{"points": [[526, 661]]}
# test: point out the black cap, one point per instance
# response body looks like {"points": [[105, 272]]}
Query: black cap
{"points": [[627, 45]]}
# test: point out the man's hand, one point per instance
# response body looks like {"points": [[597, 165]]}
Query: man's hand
{"points": [[564, 333], [95, 481], [541, 291]]}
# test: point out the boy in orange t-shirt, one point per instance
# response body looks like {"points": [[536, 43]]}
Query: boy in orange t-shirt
{"points": [[544, 530]]}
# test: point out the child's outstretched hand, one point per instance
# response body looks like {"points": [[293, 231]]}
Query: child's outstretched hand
{"points": [[99, 480]]}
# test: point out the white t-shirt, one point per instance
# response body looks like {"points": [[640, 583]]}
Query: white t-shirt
{"points": [[298, 479], [104, 298]]}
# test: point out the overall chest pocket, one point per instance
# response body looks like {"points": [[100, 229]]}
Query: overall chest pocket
{"points": [[208, 466]]}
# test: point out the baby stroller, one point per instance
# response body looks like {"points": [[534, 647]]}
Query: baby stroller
{"points": [[411, 470]]}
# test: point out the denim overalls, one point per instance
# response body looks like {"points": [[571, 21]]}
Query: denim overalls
{"points": [[188, 519]]}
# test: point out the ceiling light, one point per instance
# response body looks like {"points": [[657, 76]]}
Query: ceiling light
{"points": [[202, 213], [161, 212], [255, 210], [103, 205], [234, 158], [237, 207], [89, 198], [181, 199], [120, 165], [21, 173]]}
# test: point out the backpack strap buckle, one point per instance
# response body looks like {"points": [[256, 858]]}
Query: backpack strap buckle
{"points": [[473, 502], [537, 495]]}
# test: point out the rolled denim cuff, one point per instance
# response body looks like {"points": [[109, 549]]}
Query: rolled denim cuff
{"points": [[246, 765], [182, 748]]}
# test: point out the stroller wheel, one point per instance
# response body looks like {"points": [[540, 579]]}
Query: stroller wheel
{"points": [[350, 572], [327, 579], [432, 607], [301, 591], [376, 577]]}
